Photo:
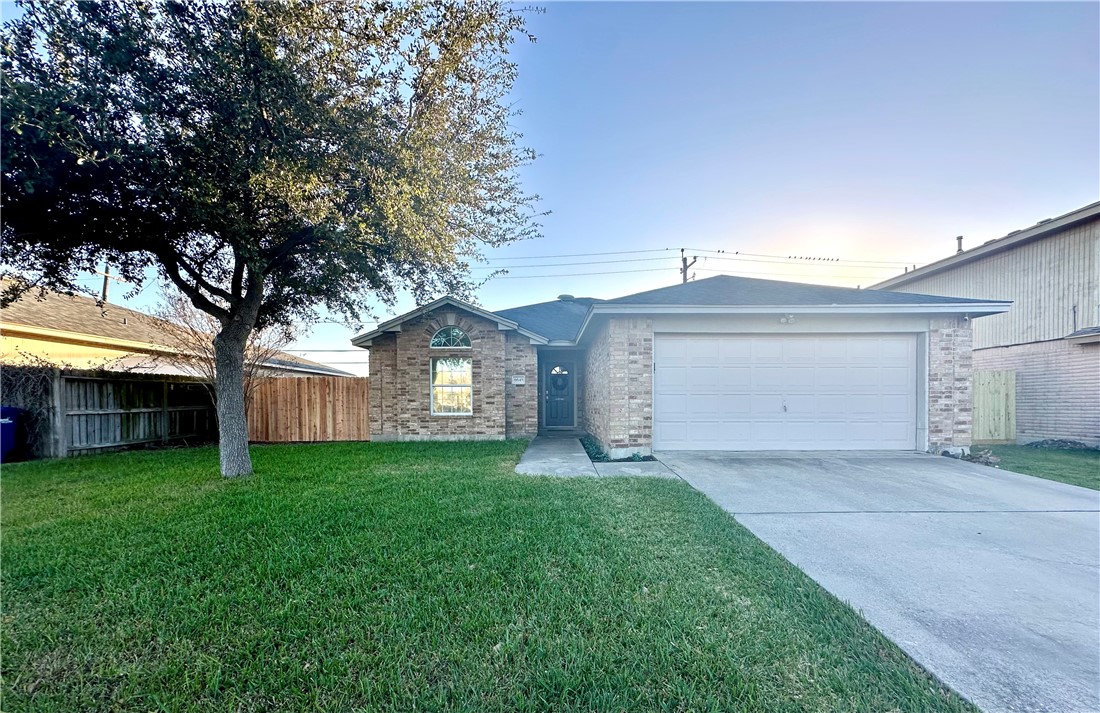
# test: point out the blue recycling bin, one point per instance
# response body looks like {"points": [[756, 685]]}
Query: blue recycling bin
{"points": [[10, 421]]}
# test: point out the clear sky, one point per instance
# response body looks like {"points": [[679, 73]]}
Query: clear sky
{"points": [[858, 131]]}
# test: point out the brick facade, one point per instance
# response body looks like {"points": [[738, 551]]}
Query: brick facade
{"points": [[400, 373], [521, 400], [1057, 388], [614, 382], [618, 405], [949, 388]]}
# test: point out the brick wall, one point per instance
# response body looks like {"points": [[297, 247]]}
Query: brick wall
{"points": [[521, 400], [400, 372], [1057, 388], [595, 415], [949, 398], [618, 407]]}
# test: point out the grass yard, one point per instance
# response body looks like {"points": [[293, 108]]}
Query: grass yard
{"points": [[411, 577], [1068, 466]]}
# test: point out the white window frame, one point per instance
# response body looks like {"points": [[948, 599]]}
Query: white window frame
{"points": [[451, 326], [432, 386]]}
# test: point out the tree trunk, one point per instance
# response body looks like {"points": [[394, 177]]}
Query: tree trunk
{"points": [[229, 385]]}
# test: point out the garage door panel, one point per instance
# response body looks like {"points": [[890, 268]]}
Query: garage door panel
{"points": [[734, 351], [734, 379], [798, 377], [895, 375], [896, 349], [767, 350], [801, 392], [765, 404], [703, 378], [900, 404], [736, 407], [832, 376], [832, 351]]}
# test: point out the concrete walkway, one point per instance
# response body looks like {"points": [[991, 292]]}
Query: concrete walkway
{"points": [[564, 456], [555, 455]]}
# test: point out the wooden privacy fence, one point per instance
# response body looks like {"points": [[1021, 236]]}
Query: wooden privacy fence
{"points": [[72, 412], [310, 408], [113, 411], [994, 407]]}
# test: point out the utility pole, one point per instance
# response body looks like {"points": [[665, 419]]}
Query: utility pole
{"points": [[684, 262], [107, 277]]}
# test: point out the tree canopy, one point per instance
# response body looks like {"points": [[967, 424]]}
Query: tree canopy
{"points": [[265, 157], [321, 152]]}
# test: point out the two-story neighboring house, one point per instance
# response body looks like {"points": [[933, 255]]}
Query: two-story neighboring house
{"points": [[1051, 336]]}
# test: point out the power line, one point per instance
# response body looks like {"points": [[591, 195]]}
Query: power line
{"points": [[585, 262], [781, 274], [805, 258], [669, 257], [576, 274], [554, 257], [737, 258]]}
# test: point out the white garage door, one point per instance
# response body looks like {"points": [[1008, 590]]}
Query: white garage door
{"points": [[803, 392]]}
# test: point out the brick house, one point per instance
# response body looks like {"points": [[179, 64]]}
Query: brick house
{"points": [[725, 363], [1051, 338]]}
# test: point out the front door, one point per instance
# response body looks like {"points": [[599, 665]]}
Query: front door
{"points": [[557, 383]]}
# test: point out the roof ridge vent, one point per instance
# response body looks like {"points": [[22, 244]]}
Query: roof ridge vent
{"points": [[566, 298]]}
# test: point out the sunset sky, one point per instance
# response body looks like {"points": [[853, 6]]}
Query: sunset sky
{"points": [[866, 133]]}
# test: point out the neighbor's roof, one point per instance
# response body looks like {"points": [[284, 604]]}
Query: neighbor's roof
{"points": [[557, 321], [1040, 230], [727, 290], [71, 317], [1087, 335]]}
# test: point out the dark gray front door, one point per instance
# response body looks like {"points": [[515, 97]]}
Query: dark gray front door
{"points": [[557, 389]]}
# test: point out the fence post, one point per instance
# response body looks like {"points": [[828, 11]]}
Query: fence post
{"points": [[60, 439], [164, 414]]}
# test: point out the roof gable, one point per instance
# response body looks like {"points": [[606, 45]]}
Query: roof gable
{"points": [[394, 325]]}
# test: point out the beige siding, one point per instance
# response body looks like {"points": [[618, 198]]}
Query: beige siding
{"points": [[1045, 278]]}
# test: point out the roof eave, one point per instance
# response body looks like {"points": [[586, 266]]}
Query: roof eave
{"points": [[970, 309]]}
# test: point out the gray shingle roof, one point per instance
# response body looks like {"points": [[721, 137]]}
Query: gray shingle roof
{"points": [[1086, 332], [729, 290], [559, 319]]}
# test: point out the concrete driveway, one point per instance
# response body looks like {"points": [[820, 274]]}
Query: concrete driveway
{"points": [[989, 579]]}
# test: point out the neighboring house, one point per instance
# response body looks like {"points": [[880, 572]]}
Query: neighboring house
{"points": [[725, 363], [75, 331], [1051, 338]]}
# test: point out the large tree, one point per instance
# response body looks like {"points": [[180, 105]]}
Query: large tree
{"points": [[268, 158]]}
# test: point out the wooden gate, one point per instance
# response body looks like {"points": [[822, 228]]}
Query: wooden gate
{"points": [[994, 407], [309, 408]]}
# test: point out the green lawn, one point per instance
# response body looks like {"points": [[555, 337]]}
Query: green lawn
{"points": [[411, 577], [1073, 467]]}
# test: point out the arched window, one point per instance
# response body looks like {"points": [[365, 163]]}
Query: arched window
{"points": [[450, 338]]}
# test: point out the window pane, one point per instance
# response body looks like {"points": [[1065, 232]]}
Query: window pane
{"points": [[452, 399], [452, 371], [450, 338]]}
